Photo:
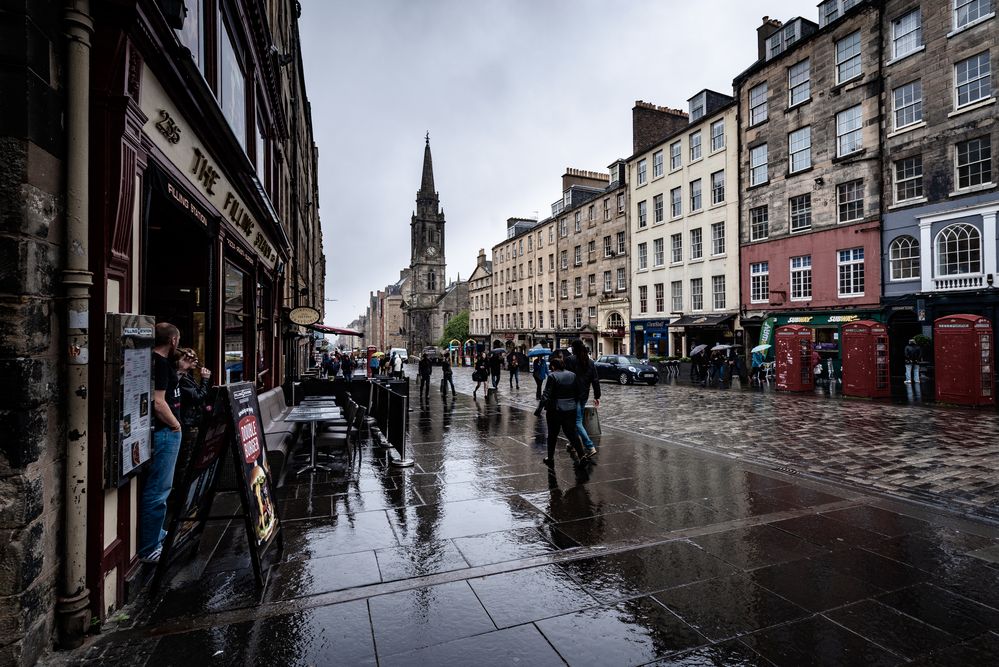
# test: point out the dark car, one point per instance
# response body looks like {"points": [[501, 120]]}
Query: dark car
{"points": [[625, 370]]}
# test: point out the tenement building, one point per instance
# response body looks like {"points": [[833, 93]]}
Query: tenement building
{"points": [[517, 283], [684, 227], [159, 166], [941, 199], [811, 174], [480, 300]]}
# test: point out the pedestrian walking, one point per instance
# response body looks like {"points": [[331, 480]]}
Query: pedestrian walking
{"points": [[559, 400], [167, 435], [480, 374], [448, 377], [496, 366], [586, 378], [513, 365], [540, 372], [913, 355], [347, 367], [373, 364], [425, 370]]}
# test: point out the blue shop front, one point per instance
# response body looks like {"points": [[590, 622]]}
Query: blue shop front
{"points": [[650, 338]]}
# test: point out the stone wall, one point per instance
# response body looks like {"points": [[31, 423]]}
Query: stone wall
{"points": [[31, 234]]}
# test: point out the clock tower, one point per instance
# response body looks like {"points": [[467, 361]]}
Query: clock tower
{"points": [[427, 265]]}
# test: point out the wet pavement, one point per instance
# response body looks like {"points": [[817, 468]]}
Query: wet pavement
{"points": [[667, 551]]}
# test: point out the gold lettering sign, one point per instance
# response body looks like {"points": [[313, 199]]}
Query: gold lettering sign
{"points": [[167, 127], [204, 172]]}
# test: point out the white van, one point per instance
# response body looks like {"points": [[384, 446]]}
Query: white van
{"points": [[399, 352]]}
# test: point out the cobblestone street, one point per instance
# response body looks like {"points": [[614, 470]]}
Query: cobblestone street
{"points": [[929, 453], [659, 553]]}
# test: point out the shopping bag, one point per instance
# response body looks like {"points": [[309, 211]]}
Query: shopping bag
{"points": [[591, 421]]}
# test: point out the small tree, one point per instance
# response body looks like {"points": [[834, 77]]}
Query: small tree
{"points": [[455, 329]]}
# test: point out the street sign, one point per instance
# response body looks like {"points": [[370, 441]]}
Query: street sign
{"points": [[303, 316]]}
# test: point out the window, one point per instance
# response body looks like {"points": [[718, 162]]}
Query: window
{"points": [[903, 258], [676, 248], [589, 213], [657, 208], [906, 34], [660, 300], [551, 262], [974, 162], [565, 318], [577, 256], [696, 294], [696, 248], [759, 282], [643, 298], [642, 215], [551, 291], [848, 58], [759, 223], [658, 252], [657, 164], [801, 278], [695, 146], [717, 135], [591, 250], [232, 87], [191, 36], [973, 79], [641, 172], [758, 104], [851, 272], [718, 292], [718, 238], [551, 234], [798, 83], [530, 319], [908, 104], [959, 250], [695, 195], [564, 288], [620, 243], [577, 315], [800, 212], [643, 256], [909, 178], [675, 161], [849, 131], [591, 283], [620, 203], [591, 312], [850, 197], [563, 228], [607, 281], [675, 202], [564, 259], [577, 286], [676, 296], [622, 280], [607, 209], [799, 145], [718, 187], [578, 221], [967, 12], [608, 250], [758, 165], [697, 107]]}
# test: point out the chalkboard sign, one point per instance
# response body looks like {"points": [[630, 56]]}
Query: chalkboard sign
{"points": [[233, 423]]}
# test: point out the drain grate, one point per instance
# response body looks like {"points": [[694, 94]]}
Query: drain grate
{"points": [[785, 469]]}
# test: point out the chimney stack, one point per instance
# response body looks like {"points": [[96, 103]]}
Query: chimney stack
{"points": [[481, 260], [651, 124], [769, 27]]}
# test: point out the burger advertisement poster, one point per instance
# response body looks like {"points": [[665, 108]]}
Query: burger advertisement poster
{"points": [[262, 519]]}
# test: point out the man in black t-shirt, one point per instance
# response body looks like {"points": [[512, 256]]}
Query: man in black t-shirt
{"points": [[157, 479]]}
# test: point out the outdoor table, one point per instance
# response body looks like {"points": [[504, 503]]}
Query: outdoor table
{"points": [[313, 414]]}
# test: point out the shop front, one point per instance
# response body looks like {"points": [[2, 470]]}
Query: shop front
{"points": [[650, 338], [827, 338], [690, 331]]}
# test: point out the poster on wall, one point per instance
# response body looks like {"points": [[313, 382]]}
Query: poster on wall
{"points": [[129, 395]]}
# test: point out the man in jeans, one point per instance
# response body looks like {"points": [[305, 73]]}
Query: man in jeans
{"points": [[157, 479], [913, 355]]}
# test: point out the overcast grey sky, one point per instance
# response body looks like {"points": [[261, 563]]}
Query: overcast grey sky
{"points": [[511, 91]]}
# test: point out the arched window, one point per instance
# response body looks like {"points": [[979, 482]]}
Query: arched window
{"points": [[615, 321], [903, 256], [959, 250]]}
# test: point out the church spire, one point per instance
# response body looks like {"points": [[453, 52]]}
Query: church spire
{"points": [[427, 184]]}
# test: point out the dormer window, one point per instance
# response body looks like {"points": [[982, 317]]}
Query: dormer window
{"points": [[783, 38], [697, 106], [830, 10]]}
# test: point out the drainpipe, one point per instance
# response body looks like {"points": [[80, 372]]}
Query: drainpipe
{"points": [[72, 607]]}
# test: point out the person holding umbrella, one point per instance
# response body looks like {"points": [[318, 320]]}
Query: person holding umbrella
{"points": [[496, 366], [480, 374], [539, 369]]}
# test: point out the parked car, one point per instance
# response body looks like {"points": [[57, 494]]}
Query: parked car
{"points": [[625, 370], [433, 354]]}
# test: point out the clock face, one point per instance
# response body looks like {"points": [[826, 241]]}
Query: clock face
{"points": [[432, 251]]}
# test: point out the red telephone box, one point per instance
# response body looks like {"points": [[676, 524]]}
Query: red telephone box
{"points": [[963, 358], [794, 358], [865, 359], [367, 360]]}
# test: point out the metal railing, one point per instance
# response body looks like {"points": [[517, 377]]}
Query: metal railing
{"points": [[389, 407]]}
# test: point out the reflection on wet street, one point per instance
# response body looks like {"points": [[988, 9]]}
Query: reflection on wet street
{"points": [[659, 552]]}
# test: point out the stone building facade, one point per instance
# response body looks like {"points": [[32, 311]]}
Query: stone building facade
{"points": [[684, 212], [941, 139], [179, 201], [480, 299], [810, 172]]}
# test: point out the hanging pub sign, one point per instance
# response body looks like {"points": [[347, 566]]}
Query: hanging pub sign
{"points": [[129, 391], [303, 316], [232, 423]]}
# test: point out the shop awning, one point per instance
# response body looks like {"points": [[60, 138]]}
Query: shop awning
{"points": [[701, 321], [335, 330]]}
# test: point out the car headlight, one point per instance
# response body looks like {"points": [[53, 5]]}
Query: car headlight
{"points": [[632, 369]]}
